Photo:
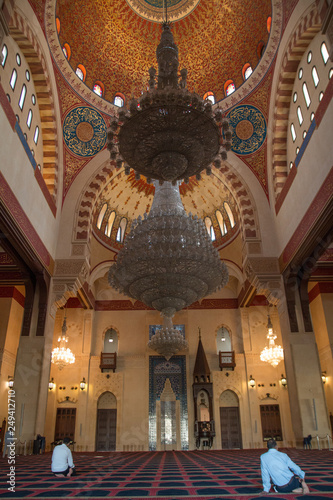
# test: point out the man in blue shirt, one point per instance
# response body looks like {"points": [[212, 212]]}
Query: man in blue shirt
{"points": [[285, 475]]}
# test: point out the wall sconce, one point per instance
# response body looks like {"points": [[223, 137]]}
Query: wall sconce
{"points": [[323, 377], [252, 382], [51, 384], [83, 384], [10, 382], [283, 380]]}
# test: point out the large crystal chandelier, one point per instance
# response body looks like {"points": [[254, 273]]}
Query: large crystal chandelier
{"points": [[272, 354], [170, 133], [61, 355], [168, 260]]}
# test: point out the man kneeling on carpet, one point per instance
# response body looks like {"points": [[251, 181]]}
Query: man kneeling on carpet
{"points": [[62, 460], [285, 475]]}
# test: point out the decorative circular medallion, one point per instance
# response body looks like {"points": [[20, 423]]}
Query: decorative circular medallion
{"points": [[84, 131], [244, 130], [250, 129], [153, 10]]}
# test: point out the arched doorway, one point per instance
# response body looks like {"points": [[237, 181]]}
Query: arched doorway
{"points": [[106, 422], [231, 435]]}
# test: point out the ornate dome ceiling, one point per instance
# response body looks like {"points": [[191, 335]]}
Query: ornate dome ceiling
{"points": [[116, 44]]}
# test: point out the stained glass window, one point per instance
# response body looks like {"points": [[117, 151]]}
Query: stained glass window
{"points": [[230, 88], [98, 90], [13, 79], [22, 96], [118, 101], [315, 76], [65, 52], [299, 115], [29, 119], [36, 134], [4, 55], [248, 72], [324, 52], [210, 97], [79, 73], [306, 94]]}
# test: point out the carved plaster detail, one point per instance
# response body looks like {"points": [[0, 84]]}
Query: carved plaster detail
{"points": [[264, 274], [69, 277]]}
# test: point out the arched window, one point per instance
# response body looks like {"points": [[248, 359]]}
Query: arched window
{"points": [[109, 224], [324, 52], [293, 132], [4, 55], [246, 71], [36, 134], [306, 95], [309, 58], [22, 96], [299, 115], [99, 89], [13, 79], [110, 341], [220, 220], [119, 100], [33, 99], [229, 87], [27, 75], [121, 230], [101, 215], [209, 96], [223, 340], [67, 51], [315, 76], [29, 119], [81, 72], [269, 24], [18, 59], [58, 25], [230, 214]]}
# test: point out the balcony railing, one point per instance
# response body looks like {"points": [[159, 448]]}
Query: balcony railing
{"points": [[108, 361], [227, 359]]}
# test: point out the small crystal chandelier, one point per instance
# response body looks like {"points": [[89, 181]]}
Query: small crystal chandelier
{"points": [[167, 341], [272, 354], [61, 355], [170, 134]]}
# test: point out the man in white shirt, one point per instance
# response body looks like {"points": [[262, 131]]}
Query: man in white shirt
{"points": [[286, 476], [62, 460]]}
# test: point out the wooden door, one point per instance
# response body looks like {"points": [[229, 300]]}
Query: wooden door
{"points": [[230, 428], [271, 422], [65, 423], [106, 430]]}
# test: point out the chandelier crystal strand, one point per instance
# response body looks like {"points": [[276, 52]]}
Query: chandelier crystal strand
{"points": [[168, 260], [62, 355], [272, 354], [170, 133]]}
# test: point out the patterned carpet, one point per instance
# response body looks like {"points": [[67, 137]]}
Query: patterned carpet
{"points": [[200, 475]]}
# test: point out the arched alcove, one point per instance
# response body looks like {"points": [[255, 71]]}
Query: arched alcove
{"points": [[106, 422]]}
